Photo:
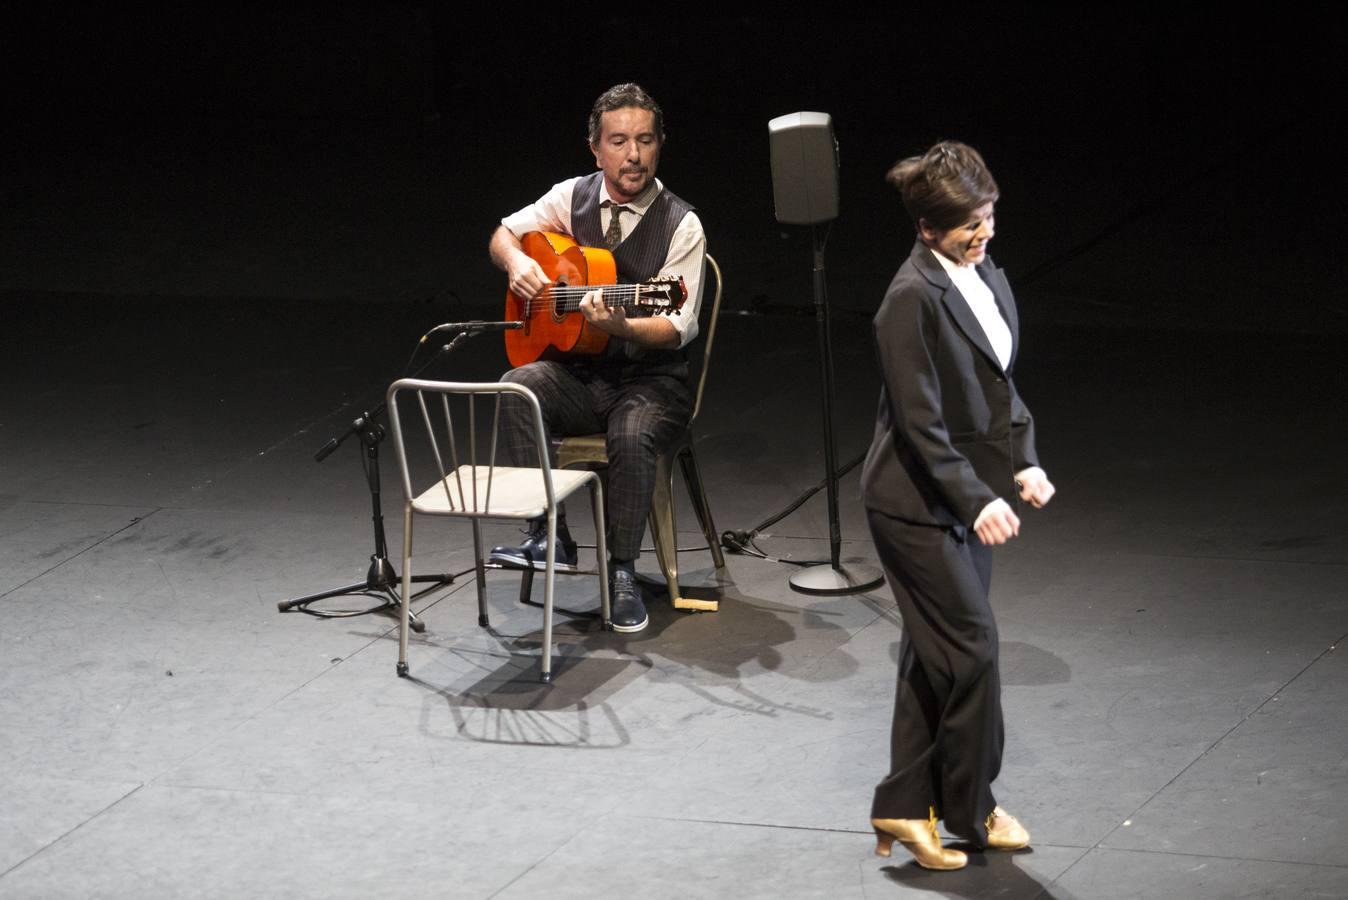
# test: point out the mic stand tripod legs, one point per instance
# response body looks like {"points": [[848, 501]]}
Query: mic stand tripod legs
{"points": [[381, 579]]}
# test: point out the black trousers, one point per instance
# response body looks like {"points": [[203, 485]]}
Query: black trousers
{"points": [[947, 737], [640, 414]]}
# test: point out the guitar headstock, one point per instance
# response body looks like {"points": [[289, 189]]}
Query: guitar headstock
{"points": [[662, 294]]}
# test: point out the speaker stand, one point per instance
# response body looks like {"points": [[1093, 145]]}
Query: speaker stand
{"points": [[833, 578]]}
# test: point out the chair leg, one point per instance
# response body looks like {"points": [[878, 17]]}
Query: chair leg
{"points": [[526, 585], [692, 478], [481, 568], [405, 611], [667, 547], [663, 527], [551, 556], [601, 552]]}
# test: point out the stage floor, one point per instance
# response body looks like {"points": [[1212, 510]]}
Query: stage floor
{"points": [[1172, 631]]}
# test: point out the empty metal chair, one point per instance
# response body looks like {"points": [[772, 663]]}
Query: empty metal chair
{"points": [[465, 487]]}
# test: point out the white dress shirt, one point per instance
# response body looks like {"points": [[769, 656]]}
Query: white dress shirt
{"points": [[978, 296]]}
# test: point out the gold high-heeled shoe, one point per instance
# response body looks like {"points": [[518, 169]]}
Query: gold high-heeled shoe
{"points": [[1008, 833], [920, 838]]}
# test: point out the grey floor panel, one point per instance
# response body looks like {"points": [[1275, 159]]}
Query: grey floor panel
{"points": [[824, 781], [473, 695], [190, 647], [182, 842], [1129, 875], [631, 854], [1272, 789], [1140, 673], [125, 442], [361, 729], [37, 811], [37, 537]]}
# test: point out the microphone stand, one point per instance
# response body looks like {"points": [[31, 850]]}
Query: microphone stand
{"points": [[381, 579], [832, 578]]}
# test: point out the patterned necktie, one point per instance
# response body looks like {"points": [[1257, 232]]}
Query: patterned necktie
{"points": [[614, 236]]}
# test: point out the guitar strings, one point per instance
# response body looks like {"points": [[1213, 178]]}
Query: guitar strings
{"points": [[567, 297]]}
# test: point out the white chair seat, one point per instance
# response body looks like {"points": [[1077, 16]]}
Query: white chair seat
{"points": [[503, 491]]}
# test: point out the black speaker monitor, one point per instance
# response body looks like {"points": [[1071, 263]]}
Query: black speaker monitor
{"points": [[804, 168]]}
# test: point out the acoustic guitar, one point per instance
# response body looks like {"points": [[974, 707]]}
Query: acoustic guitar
{"points": [[554, 327]]}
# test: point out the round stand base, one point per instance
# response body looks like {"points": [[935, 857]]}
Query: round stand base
{"points": [[848, 578]]}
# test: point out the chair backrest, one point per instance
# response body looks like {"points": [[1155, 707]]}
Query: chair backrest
{"points": [[466, 474], [708, 333]]}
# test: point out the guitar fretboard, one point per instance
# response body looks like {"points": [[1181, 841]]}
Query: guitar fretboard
{"points": [[564, 298]]}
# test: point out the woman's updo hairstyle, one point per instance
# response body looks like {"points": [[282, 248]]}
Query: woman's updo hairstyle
{"points": [[944, 185]]}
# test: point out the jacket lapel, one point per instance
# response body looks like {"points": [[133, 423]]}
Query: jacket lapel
{"points": [[955, 303]]}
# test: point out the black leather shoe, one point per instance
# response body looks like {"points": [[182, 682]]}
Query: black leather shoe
{"points": [[533, 553], [629, 613]]}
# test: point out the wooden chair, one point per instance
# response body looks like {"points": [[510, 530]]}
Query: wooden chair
{"points": [[590, 449]]}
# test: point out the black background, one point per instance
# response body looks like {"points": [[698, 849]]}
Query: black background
{"points": [[1158, 169]]}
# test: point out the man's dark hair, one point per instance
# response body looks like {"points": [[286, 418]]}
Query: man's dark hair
{"points": [[620, 96], [944, 185]]}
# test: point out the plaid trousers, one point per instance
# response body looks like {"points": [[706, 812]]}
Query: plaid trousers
{"points": [[640, 414]]}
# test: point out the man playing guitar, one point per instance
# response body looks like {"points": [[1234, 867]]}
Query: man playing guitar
{"points": [[636, 389]]}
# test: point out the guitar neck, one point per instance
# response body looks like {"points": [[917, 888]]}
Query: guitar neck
{"points": [[566, 298]]}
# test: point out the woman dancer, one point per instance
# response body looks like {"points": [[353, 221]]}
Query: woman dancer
{"points": [[953, 452]]}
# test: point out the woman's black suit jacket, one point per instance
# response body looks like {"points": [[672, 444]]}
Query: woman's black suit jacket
{"points": [[951, 431]]}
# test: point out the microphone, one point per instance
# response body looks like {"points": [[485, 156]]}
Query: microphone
{"points": [[477, 326]]}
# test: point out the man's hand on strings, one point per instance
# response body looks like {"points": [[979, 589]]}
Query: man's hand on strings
{"points": [[526, 277], [612, 319]]}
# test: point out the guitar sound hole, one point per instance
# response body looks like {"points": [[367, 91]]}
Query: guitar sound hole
{"points": [[555, 301]]}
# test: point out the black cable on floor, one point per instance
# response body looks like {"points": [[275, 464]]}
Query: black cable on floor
{"points": [[743, 541]]}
